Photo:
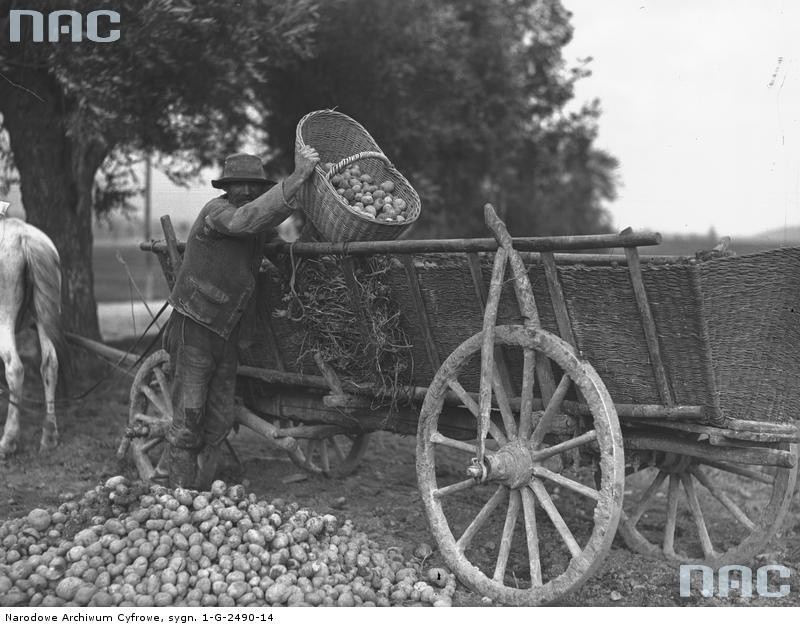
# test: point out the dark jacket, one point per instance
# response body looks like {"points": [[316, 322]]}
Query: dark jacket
{"points": [[223, 253]]}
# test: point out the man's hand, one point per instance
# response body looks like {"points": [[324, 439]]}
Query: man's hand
{"points": [[304, 161]]}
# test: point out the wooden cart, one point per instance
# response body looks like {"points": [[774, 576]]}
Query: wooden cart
{"points": [[667, 380]]}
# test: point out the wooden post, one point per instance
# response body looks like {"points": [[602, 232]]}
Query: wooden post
{"points": [[557, 298], [500, 357], [487, 350], [525, 297], [422, 313], [173, 255], [148, 210], [648, 326]]}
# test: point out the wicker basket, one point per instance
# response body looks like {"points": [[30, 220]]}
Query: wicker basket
{"points": [[341, 140]]}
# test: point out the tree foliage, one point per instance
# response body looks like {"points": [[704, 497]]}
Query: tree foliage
{"points": [[469, 98], [179, 82]]}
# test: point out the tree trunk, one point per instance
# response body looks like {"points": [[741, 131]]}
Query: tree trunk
{"points": [[56, 179]]}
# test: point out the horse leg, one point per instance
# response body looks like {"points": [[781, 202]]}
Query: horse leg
{"points": [[49, 371], [15, 377]]}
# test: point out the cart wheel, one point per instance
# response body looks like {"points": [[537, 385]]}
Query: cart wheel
{"points": [[667, 508], [150, 412], [333, 456], [523, 471]]}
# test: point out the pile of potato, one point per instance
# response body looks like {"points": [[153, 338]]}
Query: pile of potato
{"points": [[367, 197], [128, 544]]}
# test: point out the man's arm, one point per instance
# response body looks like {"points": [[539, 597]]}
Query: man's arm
{"points": [[270, 208], [265, 212]]}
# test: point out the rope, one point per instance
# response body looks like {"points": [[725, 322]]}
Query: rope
{"points": [[295, 297], [132, 283]]}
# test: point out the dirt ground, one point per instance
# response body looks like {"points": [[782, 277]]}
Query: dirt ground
{"points": [[381, 498]]}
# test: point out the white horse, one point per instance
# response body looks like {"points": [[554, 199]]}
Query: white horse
{"points": [[30, 291]]}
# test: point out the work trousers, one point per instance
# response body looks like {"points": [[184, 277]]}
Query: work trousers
{"points": [[204, 385]]}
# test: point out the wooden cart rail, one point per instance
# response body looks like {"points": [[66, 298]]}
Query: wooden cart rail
{"points": [[474, 245]]}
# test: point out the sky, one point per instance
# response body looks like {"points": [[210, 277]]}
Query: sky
{"points": [[700, 103]]}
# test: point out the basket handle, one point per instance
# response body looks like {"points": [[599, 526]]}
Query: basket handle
{"points": [[338, 167]]}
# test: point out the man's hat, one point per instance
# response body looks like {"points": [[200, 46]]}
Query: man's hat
{"points": [[242, 168]]}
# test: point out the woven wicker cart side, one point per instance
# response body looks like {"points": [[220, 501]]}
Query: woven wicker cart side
{"points": [[752, 307], [609, 332], [603, 316]]}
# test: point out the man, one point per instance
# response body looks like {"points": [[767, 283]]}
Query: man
{"points": [[212, 303]]}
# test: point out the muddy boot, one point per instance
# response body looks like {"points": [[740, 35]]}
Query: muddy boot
{"points": [[207, 462], [182, 463]]}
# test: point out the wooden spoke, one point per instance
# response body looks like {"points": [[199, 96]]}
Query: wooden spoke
{"points": [[438, 438], [508, 535], [552, 409], [672, 515], [453, 488], [697, 515], [166, 393], [526, 394], [464, 397], [324, 457], [470, 404], [558, 522], [723, 498], [497, 433], [506, 412], [641, 506], [532, 536], [337, 448], [756, 475], [480, 520], [545, 473], [154, 399], [567, 445]]}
